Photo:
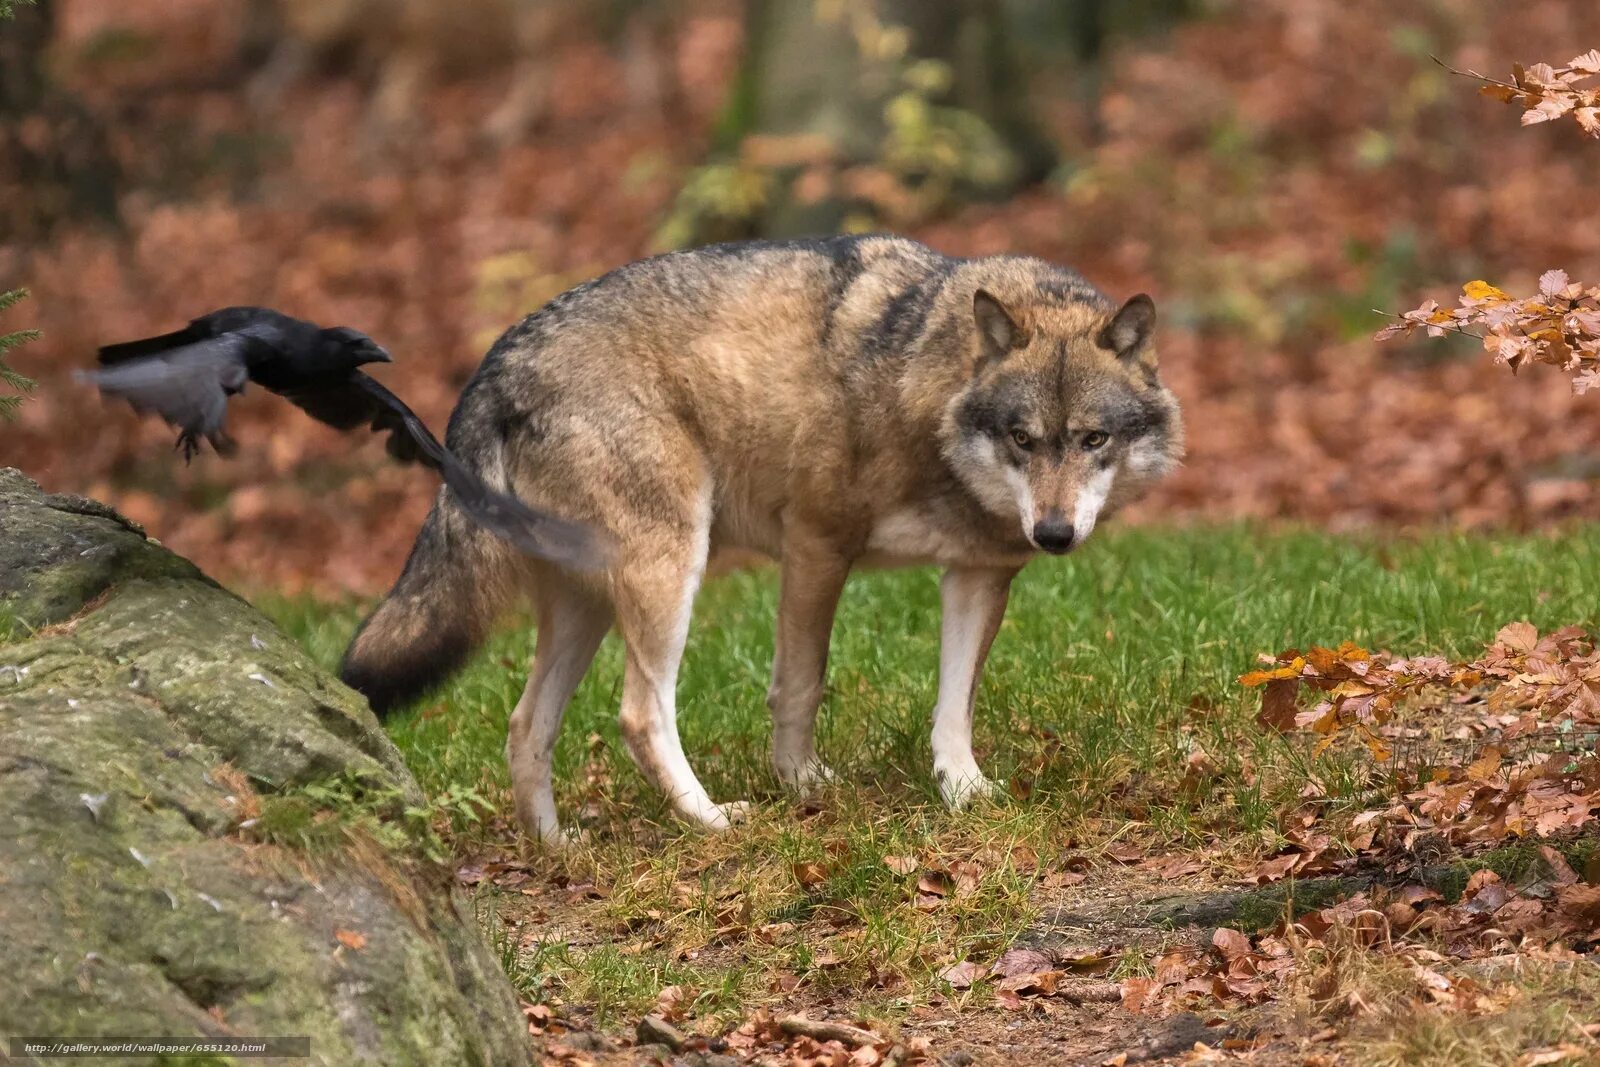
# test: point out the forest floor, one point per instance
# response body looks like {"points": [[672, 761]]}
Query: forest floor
{"points": [[1177, 871]]}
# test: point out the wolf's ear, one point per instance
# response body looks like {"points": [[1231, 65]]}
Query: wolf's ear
{"points": [[1130, 328], [998, 332]]}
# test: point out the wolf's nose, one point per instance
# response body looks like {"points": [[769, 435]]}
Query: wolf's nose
{"points": [[1053, 534]]}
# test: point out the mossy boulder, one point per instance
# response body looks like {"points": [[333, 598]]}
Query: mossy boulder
{"points": [[147, 717]]}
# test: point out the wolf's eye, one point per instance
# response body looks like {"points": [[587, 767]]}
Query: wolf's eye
{"points": [[1095, 439], [1021, 439]]}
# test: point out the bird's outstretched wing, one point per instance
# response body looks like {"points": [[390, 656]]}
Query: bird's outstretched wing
{"points": [[188, 386], [214, 325], [362, 400]]}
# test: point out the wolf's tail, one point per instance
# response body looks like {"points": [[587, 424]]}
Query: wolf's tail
{"points": [[456, 581]]}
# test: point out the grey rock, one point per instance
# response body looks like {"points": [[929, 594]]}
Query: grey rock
{"points": [[132, 901], [654, 1030]]}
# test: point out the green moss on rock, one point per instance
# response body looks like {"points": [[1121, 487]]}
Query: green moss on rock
{"points": [[130, 901]]}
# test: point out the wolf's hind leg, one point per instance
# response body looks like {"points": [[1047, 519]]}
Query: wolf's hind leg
{"points": [[571, 626], [813, 577], [653, 593], [973, 601]]}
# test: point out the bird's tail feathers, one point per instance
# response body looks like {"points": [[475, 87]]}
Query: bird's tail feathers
{"points": [[147, 346], [538, 533]]}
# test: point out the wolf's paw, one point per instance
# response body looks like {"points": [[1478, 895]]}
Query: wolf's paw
{"points": [[714, 817], [802, 776], [560, 838], [540, 823], [735, 811], [961, 787]]}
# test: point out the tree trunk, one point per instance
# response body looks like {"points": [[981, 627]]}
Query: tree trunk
{"points": [[882, 108], [55, 160], [1070, 38]]}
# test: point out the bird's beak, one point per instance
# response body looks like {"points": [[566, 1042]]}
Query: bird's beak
{"points": [[381, 355]]}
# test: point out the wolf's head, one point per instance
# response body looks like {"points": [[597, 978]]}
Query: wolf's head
{"points": [[1063, 417]]}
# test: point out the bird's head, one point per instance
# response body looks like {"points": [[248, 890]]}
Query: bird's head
{"points": [[356, 346]]}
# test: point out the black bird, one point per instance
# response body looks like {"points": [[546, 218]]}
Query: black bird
{"points": [[187, 376]]}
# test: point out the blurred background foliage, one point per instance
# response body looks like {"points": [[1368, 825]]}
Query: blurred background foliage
{"points": [[850, 115], [427, 171]]}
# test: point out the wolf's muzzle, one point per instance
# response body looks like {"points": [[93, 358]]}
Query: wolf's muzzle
{"points": [[1053, 534]]}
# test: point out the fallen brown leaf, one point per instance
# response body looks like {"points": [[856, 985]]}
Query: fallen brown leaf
{"points": [[1063, 879], [1021, 961], [1230, 944], [810, 874], [961, 975]]}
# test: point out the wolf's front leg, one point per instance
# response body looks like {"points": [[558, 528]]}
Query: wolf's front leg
{"points": [[813, 577], [973, 600]]}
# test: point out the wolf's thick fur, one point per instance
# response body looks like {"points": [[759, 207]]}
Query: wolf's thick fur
{"points": [[843, 402]]}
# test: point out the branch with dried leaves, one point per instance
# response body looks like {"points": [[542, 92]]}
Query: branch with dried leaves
{"points": [[1547, 93], [1559, 325]]}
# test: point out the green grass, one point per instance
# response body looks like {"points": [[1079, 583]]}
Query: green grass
{"points": [[1105, 666], [1111, 666]]}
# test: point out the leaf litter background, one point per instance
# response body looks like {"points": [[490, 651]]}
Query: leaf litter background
{"points": [[1271, 174]]}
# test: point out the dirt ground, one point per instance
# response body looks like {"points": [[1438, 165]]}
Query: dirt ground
{"points": [[1114, 913]]}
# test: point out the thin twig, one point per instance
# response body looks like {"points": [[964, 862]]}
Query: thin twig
{"points": [[1541, 91], [821, 1030], [1480, 77], [1392, 317]]}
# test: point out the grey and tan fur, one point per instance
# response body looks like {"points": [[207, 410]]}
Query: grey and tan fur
{"points": [[835, 403]]}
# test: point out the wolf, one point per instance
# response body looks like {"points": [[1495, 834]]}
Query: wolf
{"points": [[831, 403]]}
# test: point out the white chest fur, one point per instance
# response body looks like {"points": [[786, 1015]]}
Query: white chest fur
{"points": [[910, 537]]}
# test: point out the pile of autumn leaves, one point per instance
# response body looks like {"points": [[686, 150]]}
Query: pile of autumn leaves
{"points": [[1502, 747], [1473, 756], [1470, 757]]}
